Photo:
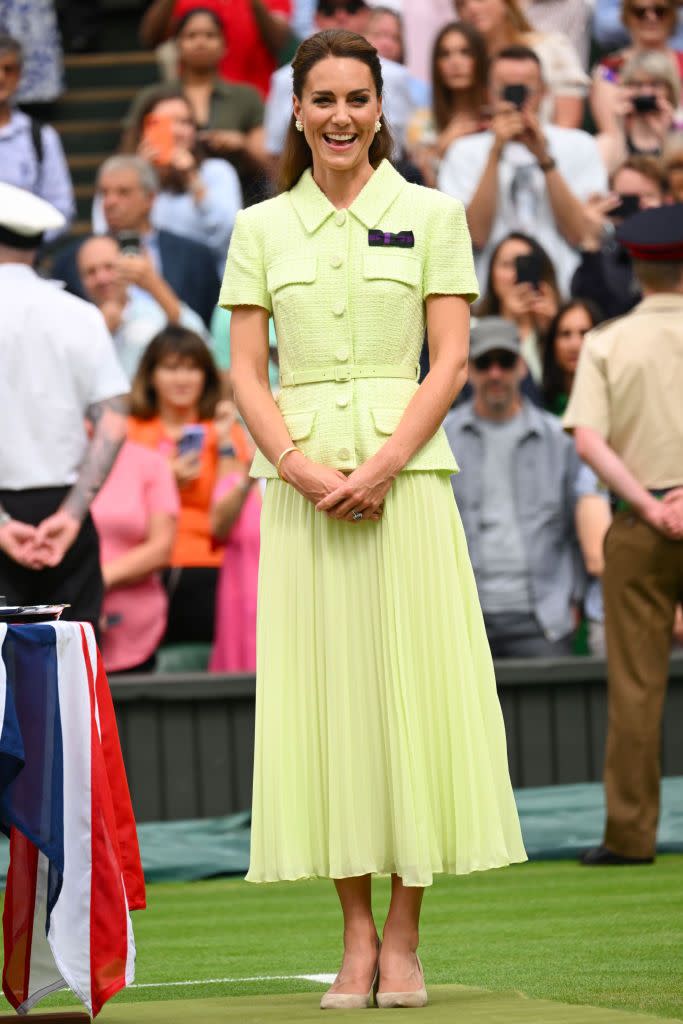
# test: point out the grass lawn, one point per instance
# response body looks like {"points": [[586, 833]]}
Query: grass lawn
{"points": [[608, 937]]}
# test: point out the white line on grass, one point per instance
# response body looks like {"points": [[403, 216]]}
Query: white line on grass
{"points": [[321, 979]]}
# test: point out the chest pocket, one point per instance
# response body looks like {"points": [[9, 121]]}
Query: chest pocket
{"points": [[389, 265], [291, 271]]}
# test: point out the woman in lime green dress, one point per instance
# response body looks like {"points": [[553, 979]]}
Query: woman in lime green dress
{"points": [[380, 745]]}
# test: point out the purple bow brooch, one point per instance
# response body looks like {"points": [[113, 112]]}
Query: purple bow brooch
{"points": [[403, 239]]}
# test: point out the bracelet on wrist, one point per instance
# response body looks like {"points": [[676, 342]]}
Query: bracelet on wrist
{"points": [[283, 455], [226, 451], [547, 164]]}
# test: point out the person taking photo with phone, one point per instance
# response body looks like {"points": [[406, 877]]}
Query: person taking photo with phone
{"points": [[521, 175]]}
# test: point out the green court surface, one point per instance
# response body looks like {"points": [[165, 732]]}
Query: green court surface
{"points": [[609, 938]]}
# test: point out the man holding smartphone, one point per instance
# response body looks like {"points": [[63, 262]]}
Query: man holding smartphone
{"points": [[522, 175]]}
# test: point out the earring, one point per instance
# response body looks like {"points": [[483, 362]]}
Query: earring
{"points": [[378, 126], [299, 125]]}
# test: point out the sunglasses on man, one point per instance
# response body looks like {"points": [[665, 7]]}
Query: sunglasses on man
{"points": [[658, 10], [504, 359], [330, 7]]}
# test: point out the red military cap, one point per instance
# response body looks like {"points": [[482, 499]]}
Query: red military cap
{"points": [[654, 235]]}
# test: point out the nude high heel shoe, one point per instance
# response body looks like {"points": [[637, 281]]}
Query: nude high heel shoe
{"points": [[391, 1000], [352, 1000]]}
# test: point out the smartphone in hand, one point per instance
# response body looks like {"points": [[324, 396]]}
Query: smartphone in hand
{"points": [[528, 269], [191, 440], [515, 94], [158, 133]]}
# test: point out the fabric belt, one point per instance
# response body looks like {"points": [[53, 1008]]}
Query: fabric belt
{"points": [[348, 372], [624, 506]]}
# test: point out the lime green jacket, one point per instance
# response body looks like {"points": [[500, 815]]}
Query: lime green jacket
{"points": [[347, 291]]}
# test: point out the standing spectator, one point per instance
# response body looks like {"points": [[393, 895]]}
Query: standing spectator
{"points": [[174, 398], [199, 196], [235, 522], [31, 154], [229, 115], [627, 418], [135, 515], [503, 25], [562, 348], [604, 273], [672, 167], [59, 367], [459, 86], [246, 58], [399, 105], [651, 24], [34, 24], [650, 96], [133, 298], [127, 187], [516, 495], [531, 306], [520, 175]]}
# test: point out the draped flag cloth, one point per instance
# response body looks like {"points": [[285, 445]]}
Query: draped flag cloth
{"points": [[75, 871]]}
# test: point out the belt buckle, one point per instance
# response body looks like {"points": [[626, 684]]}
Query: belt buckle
{"points": [[342, 373]]}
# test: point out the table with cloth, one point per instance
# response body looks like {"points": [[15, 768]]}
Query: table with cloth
{"points": [[75, 872]]}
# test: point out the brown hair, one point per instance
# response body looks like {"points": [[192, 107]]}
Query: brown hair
{"points": [[659, 276], [474, 97], [517, 17], [174, 341], [648, 166], [338, 42]]}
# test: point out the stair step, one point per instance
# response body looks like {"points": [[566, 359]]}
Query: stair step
{"points": [[110, 102], [86, 136], [113, 70], [86, 190]]}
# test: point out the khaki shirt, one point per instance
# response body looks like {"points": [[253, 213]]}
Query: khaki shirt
{"points": [[629, 388], [341, 303]]}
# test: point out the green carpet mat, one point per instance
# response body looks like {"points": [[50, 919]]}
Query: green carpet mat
{"points": [[557, 823], [448, 1003]]}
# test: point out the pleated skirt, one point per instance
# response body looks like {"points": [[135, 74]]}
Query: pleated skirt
{"points": [[380, 744]]}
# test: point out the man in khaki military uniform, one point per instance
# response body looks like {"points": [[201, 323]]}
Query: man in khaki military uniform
{"points": [[626, 412]]}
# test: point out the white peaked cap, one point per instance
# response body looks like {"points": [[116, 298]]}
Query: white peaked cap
{"points": [[25, 216]]}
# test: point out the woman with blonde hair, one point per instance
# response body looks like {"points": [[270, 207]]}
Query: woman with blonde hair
{"points": [[503, 23]]}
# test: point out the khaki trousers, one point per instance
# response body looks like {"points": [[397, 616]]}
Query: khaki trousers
{"points": [[642, 583]]}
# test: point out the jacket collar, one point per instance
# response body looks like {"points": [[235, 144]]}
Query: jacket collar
{"points": [[532, 418], [313, 207]]}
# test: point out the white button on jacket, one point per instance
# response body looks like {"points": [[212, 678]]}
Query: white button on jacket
{"points": [[356, 326]]}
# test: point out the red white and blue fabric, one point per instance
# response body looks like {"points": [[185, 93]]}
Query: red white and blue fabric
{"points": [[75, 871]]}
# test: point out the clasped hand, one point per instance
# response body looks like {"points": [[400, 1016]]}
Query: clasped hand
{"points": [[43, 546], [337, 494]]}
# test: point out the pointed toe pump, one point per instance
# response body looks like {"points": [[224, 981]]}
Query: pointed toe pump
{"points": [[395, 1000], [352, 1000]]}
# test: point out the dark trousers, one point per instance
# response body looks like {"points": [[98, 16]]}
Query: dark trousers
{"points": [[76, 581], [191, 604], [513, 635], [642, 583]]}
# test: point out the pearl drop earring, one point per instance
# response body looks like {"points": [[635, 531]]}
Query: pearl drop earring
{"points": [[378, 126], [299, 126]]}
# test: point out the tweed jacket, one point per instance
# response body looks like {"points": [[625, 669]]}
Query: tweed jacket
{"points": [[347, 292]]}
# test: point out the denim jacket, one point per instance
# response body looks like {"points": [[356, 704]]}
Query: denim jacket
{"points": [[545, 472]]}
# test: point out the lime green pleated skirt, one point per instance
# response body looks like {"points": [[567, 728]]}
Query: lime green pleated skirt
{"points": [[380, 744]]}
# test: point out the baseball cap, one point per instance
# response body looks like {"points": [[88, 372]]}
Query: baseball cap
{"points": [[492, 333]]}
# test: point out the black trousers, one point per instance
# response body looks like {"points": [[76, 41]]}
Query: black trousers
{"points": [[76, 581], [191, 604]]}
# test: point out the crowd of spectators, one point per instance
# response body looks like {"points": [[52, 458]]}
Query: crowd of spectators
{"points": [[550, 121]]}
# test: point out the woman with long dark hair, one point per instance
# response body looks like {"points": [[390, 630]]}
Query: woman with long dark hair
{"points": [[380, 745], [459, 97], [562, 348]]}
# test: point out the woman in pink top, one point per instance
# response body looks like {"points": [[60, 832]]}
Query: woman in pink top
{"points": [[235, 518], [135, 514]]}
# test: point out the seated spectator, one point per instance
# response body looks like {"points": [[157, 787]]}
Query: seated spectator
{"points": [[246, 58], [229, 115], [647, 81], [135, 515], [516, 495], [399, 105], [605, 274], [520, 175], [672, 168], [385, 31], [610, 33], [126, 189], [562, 348], [133, 298], [530, 305], [199, 197], [174, 406], [459, 86], [503, 25], [651, 24], [31, 154], [235, 521]]}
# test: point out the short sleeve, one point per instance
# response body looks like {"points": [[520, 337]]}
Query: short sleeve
{"points": [[244, 281], [449, 263], [161, 491], [589, 401]]}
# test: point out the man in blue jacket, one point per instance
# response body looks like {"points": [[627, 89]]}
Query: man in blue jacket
{"points": [[516, 495]]}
